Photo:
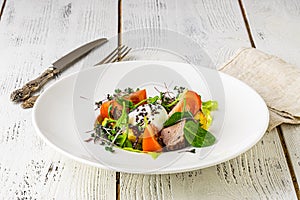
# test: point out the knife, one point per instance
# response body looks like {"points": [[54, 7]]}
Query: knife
{"points": [[57, 67]]}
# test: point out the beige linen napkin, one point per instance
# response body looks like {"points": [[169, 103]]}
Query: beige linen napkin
{"points": [[276, 81]]}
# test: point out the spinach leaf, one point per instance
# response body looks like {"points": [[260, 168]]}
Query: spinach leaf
{"points": [[197, 136], [176, 117]]}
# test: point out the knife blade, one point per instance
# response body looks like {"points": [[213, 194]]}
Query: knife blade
{"points": [[62, 63], [57, 67]]}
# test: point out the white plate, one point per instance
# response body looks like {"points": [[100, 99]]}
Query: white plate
{"points": [[60, 115]]}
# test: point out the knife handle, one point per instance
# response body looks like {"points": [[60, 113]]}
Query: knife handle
{"points": [[29, 103], [34, 85]]}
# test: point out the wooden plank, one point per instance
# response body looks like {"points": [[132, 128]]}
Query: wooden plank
{"points": [[292, 141], [275, 26], [256, 174], [2, 2], [262, 172], [32, 35], [216, 31]]}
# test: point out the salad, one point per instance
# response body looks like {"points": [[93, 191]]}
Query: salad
{"points": [[172, 120]]}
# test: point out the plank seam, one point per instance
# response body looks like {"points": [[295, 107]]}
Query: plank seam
{"points": [[246, 23], [279, 130], [119, 22], [2, 8], [117, 185], [119, 45], [289, 161]]}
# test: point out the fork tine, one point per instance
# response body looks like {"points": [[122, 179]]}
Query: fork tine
{"points": [[125, 54], [107, 57], [117, 54], [110, 56], [122, 54]]}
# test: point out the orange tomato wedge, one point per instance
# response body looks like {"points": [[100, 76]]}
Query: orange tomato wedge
{"points": [[192, 103], [134, 97], [104, 109], [99, 119], [149, 142], [137, 96]]}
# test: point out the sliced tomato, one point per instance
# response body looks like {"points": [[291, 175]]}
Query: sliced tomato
{"points": [[137, 96], [104, 109], [99, 119], [192, 103], [150, 142], [116, 108], [115, 111]]}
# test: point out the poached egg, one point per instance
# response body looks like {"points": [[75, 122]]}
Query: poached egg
{"points": [[155, 114]]}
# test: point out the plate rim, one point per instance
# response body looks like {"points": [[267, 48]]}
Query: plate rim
{"points": [[160, 171]]}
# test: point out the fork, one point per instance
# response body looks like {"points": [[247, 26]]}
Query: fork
{"points": [[116, 55]]}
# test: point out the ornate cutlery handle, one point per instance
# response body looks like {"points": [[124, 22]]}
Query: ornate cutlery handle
{"points": [[29, 103], [34, 85]]}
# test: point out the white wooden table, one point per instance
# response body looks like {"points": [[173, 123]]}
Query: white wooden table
{"points": [[36, 32]]}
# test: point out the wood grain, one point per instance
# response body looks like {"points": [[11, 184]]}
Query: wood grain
{"points": [[218, 27], [292, 140], [275, 27], [256, 174], [35, 33], [32, 35]]}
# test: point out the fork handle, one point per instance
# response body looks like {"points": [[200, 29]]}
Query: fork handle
{"points": [[34, 85]]}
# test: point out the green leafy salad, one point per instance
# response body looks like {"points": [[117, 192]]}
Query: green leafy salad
{"points": [[172, 120]]}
